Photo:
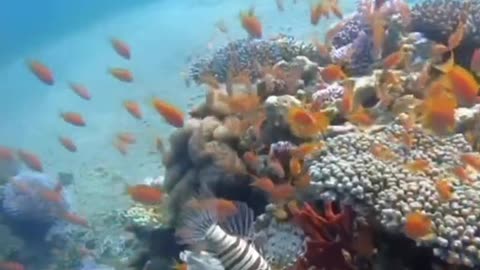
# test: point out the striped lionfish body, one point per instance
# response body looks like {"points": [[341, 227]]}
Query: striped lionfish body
{"points": [[225, 240], [234, 252]]}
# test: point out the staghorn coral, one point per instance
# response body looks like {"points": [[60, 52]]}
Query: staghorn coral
{"points": [[348, 171]]}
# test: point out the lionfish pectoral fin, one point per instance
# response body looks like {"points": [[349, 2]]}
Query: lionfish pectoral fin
{"points": [[241, 223]]}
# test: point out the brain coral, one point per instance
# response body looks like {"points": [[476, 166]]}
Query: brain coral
{"points": [[347, 170]]}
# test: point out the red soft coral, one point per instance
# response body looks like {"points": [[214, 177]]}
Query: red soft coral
{"points": [[330, 236]]}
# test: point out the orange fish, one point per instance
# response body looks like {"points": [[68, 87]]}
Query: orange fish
{"points": [[463, 84], [439, 112], [475, 61], [335, 9], [348, 98], [73, 118], [251, 160], [305, 124], [461, 173], [67, 143], [241, 103], [306, 149], [394, 59], [263, 183], [121, 48], [30, 160], [80, 90], [332, 73], [42, 72], [53, 195], [418, 165], [378, 25], [121, 146], [295, 166], [133, 108], [126, 137], [122, 74], [75, 219], [456, 37], [439, 49], [222, 207], [170, 113], [11, 266], [179, 266], [361, 117], [145, 194], [6, 153], [382, 152], [418, 225], [444, 189], [282, 192], [471, 159], [251, 23], [317, 11]]}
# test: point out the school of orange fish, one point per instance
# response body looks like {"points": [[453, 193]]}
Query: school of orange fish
{"points": [[443, 85]]}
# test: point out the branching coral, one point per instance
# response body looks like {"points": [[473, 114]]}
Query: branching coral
{"points": [[330, 237]]}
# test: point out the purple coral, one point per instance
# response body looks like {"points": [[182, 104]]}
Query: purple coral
{"points": [[328, 95], [24, 198]]}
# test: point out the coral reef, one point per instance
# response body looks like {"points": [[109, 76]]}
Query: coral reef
{"points": [[347, 170]]}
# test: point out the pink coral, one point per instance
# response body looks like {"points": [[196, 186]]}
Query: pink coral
{"points": [[330, 234]]}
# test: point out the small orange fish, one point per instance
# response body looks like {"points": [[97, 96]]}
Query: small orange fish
{"points": [[145, 194], [241, 103], [418, 165], [418, 225], [317, 11], [73, 118], [464, 86], [53, 195], [126, 137], [133, 108], [75, 219], [361, 117], [475, 61], [439, 112], [251, 160], [67, 143], [222, 207], [251, 23], [80, 90], [394, 59], [348, 98], [121, 48], [471, 159], [296, 166], [305, 124], [282, 192], [179, 266], [121, 146], [31, 160], [335, 9], [332, 73], [382, 152], [307, 148], [170, 113], [263, 183], [462, 173], [122, 74], [42, 72], [445, 189], [11, 266], [378, 24], [457, 37], [6, 153]]}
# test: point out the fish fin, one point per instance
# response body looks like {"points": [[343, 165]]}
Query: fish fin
{"points": [[194, 225], [240, 224]]}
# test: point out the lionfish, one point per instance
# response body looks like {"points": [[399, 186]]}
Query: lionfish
{"points": [[228, 238]]}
